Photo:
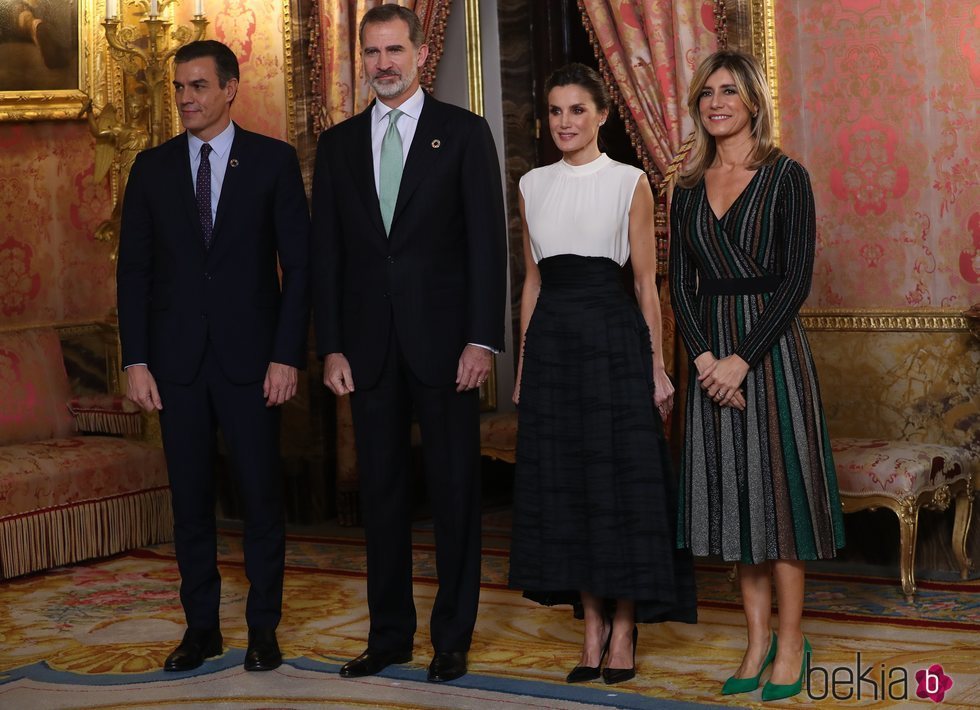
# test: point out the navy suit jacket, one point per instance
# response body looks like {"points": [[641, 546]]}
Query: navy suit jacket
{"points": [[439, 277], [174, 295]]}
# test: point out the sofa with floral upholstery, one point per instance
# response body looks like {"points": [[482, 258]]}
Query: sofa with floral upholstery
{"points": [[74, 483], [902, 400]]}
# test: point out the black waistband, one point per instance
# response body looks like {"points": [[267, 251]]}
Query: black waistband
{"points": [[739, 287], [574, 271]]}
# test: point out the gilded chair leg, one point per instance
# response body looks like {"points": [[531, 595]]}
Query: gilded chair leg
{"points": [[961, 530], [908, 521]]}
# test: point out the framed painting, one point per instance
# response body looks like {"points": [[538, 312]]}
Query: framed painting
{"points": [[47, 57]]}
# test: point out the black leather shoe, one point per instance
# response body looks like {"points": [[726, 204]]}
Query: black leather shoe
{"points": [[611, 676], [197, 645], [583, 674], [263, 652], [447, 665], [372, 662]]}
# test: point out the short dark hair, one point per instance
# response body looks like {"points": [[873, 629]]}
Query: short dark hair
{"points": [[584, 76], [225, 61], [387, 13]]}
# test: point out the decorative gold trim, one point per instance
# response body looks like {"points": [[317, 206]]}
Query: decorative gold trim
{"points": [[751, 27], [287, 68], [62, 103], [474, 82], [910, 319], [67, 328], [764, 47], [907, 507], [474, 56]]}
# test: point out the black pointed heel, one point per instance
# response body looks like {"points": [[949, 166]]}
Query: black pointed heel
{"points": [[611, 676], [582, 674]]}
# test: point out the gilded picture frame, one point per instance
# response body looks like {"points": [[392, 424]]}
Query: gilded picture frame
{"points": [[49, 54]]}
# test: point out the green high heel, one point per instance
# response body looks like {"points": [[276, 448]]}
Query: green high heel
{"points": [[771, 691], [746, 685]]}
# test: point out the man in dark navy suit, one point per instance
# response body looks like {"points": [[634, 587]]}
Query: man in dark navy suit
{"points": [[409, 256], [211, 337]]}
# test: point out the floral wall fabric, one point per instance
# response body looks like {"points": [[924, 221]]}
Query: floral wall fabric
{"points": [[52, 270], [254, 31], [878, 99]]}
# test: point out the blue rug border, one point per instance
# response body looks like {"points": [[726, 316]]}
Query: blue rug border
{"points": [[41, 672]]}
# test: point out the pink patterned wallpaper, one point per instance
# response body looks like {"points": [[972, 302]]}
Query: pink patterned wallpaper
{"points": [[52, 270], [254, 31], [878, 99]]}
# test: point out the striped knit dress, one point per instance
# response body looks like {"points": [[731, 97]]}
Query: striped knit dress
{"points": [[757, 484]]}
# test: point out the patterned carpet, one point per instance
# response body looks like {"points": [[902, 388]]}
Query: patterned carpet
{"points": [[95, 635]]}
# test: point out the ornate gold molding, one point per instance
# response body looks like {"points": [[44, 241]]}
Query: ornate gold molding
{"points": [[909, 319], [474, 82], [287, 67], [474, 56], [751, 27]]}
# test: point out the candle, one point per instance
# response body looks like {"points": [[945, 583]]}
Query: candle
{"points": [[199, 8], [154, 10], [110, 9]]}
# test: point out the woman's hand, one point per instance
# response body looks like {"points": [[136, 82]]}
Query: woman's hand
{"points": [[663, 392], [722, 379], [516, 397]]}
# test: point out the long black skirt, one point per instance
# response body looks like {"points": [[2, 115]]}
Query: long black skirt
{"points": [[594, 497]]}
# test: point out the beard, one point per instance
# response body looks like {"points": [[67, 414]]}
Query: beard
{"points": [[389, 90]]}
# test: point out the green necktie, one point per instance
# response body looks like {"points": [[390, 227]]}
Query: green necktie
{"points": [[391, 169]]}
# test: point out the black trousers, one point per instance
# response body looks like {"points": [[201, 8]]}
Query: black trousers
{"points": [[189, 418], [450, 428]]}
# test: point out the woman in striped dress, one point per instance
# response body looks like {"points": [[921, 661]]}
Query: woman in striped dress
{"points": [[759, 486]]}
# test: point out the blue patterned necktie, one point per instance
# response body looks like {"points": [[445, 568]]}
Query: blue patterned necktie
{"points": [[391, 169], [204, 193]]}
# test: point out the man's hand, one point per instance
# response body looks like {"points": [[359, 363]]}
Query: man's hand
{"points": [[280, 384], [474, 366], [336, 374], [142, 388]]}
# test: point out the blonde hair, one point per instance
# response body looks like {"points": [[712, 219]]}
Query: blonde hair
{"points": [[750, 82]]}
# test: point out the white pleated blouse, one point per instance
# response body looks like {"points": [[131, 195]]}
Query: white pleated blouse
{"points": [[580, 209]]}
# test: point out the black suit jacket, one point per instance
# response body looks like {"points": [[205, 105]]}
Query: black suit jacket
{"points": [[174, 295], [439, 277]]}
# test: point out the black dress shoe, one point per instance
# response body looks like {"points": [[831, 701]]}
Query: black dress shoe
{"points": [[197, 645], [372, 662], [610, 676], [263, 652], [447, 665], [583, 674]]}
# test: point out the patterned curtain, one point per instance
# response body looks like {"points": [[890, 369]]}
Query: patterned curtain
{"points": [[339, 88], [647, 52]]}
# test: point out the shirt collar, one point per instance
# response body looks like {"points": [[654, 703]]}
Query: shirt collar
{"points": [[220, 144], [411, 107]]}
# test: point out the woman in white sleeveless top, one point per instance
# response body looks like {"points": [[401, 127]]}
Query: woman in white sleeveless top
{"points": [[594, 499]]}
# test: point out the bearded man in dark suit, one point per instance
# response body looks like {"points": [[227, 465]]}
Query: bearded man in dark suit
{"points": [[211, 337], [409, 258]]}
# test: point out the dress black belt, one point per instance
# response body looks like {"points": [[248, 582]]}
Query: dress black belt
{"points": [[749, 286]]}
